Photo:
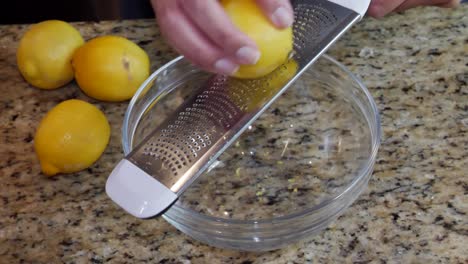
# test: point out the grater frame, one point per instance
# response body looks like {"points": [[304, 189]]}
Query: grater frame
{"points": [[177, 152]]}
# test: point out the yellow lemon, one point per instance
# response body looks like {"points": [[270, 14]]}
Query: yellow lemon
{"points": [[251, 94], [71, 137], [45, 51], [274, 44], [110, 68]]}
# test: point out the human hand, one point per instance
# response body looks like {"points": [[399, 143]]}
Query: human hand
{"points": [[380, 8], [202, 32]]}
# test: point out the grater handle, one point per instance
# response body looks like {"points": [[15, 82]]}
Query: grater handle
{"points": [[359, 6], [137, 192]]}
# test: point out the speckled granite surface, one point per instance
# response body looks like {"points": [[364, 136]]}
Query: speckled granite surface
{"points": [[414, 211]]}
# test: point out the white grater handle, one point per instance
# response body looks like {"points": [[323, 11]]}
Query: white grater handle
{"points": [[359, 6], [137, 192]]}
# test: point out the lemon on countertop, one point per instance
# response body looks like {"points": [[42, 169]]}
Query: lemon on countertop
{"points": [[45, 51], [273, 43], [110, 68], [71, 137]]}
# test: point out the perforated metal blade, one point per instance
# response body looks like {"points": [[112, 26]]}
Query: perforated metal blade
{"points": [[171, 158]]}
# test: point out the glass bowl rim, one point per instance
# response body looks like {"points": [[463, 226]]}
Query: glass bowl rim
{"points": [[375, 141]]}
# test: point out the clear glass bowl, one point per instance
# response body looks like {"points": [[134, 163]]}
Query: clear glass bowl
{"points": [[295, 170]]}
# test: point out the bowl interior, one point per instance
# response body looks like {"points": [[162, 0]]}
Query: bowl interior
{"points": [[305, 150]]}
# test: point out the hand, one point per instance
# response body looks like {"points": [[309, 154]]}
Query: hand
{"points": [[202, 32], [380, 8]]}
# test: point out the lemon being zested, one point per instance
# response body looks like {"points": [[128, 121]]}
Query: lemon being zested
{"points": [[110, 68], [250, 95], [274, 44], [45, 51], [71, 137]]}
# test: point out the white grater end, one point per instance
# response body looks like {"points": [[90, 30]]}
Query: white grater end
{"points": [[137, 192]]}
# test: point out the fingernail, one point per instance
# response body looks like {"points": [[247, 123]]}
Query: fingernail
{"points": [[226, 66], [282, 18], [248, 55]]}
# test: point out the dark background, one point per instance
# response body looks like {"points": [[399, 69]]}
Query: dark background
{"points": [[33, 11]]}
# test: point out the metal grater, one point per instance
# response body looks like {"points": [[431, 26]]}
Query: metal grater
{"points": [[151, 178]]}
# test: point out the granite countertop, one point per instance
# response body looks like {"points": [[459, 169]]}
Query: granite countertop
{"points": [[415, 208]]}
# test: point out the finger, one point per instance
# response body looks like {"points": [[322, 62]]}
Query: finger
{"points": [[280, 12], [212, 20], [380, 8], [185, 37], [451, 4], [414, 3]]}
